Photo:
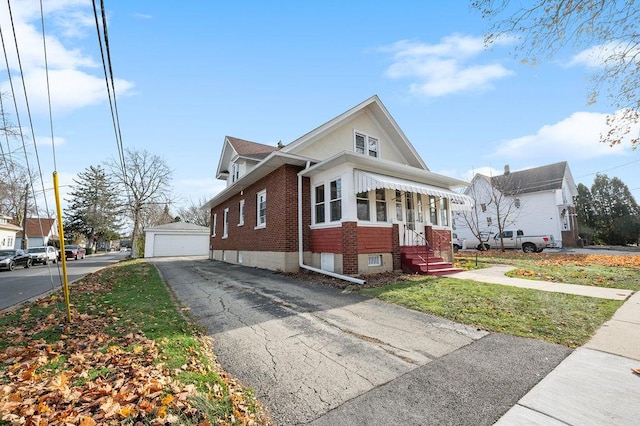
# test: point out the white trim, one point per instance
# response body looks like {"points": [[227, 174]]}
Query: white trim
{"points": [[215, 223]]}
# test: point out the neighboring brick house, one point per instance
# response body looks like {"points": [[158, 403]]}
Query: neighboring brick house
{"points": [[343, 198], [539, 201]]}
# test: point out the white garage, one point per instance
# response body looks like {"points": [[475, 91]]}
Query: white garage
{"points": [[176, 239]]}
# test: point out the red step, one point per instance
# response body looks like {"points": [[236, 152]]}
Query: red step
{"points": [[419, 260]]}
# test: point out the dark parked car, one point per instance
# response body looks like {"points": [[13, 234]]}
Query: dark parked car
{"points": [[74, 252], [9, 259]]}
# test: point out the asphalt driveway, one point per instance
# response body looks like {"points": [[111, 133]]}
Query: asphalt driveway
{"points": [[317, 355]]}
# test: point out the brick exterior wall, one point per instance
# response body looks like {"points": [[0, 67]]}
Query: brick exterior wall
{"points": [[281, 232], [349, 248], [375, 240], [326, 240]]}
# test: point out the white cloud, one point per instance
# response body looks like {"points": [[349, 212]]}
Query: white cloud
{"points": [[601, 55], [444, 68], [69, 88], [576, 137], [75, 78]]}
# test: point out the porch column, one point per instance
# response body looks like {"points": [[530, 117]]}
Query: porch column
{"points": [[395, 247], [349, 248]]}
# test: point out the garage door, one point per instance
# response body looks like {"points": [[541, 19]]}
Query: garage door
{"points": [[180, 245]]}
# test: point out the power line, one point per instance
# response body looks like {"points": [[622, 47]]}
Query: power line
{"points": [[611, 168]]}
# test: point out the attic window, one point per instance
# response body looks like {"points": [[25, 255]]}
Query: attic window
{"points": [[235, 172], [367, 145]]}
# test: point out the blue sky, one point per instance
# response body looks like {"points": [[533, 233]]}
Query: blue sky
{"points": [[189, 74]]}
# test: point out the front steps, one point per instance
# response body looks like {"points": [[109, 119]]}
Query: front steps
{"points": [[419, 260]]}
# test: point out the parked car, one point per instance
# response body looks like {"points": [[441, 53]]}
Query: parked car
{"points": [[74, 252], [43, 255], [9, 259]]}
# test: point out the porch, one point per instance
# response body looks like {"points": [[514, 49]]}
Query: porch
{"points": [[428, 253]]}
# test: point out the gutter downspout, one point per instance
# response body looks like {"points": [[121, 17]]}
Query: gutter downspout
{"points": [[300, 245]]}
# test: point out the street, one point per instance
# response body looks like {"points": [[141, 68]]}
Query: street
{"points": [[316, 354], [23, 284]]}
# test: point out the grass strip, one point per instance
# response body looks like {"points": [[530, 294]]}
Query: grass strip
{"points": [[128, 356], [564, 319]]}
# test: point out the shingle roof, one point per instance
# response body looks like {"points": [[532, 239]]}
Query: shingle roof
{"points": [[34, 228], [250, 149], [532, 180]]}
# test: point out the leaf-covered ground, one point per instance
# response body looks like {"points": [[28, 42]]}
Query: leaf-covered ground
{"points": [[127, 357], [600, 270]]}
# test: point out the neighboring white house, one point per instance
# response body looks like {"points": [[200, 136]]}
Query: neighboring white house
{"points": [[176, 239], [39, 232], [539, 201], [7, 233]]}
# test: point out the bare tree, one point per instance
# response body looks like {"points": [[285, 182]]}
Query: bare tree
{"points": [[605, 31], [472, 218], [504, 202], [195, 213], [145, 179], [495, 204]]}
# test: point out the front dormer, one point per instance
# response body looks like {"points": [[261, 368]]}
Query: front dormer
{"points": [[239, 157]]}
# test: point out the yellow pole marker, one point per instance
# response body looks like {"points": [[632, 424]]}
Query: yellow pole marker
{"points": [[63, 257]]}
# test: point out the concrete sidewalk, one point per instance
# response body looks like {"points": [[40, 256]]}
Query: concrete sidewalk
{"points": [[595, 385], [496, 275]]}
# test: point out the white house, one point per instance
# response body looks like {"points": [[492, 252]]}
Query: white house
{"points": [[39, 232], [7, 233], [539, 201]]}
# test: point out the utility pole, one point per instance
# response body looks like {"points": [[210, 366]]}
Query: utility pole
{"points": [[25, 239]]}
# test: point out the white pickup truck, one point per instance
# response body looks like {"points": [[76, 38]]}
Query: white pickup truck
{"points": [[515, 239]]}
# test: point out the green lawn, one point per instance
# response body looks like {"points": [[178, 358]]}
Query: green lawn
{"points": [[557, 318]]}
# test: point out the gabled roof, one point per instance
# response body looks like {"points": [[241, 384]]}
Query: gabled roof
{"points": [[537, 179], [233, 147], [38, 227], [250, 149], [374, 106]]}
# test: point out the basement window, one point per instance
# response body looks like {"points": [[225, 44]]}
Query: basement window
{"points": [[375, 260]]}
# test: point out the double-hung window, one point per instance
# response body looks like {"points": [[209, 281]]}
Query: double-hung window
{"points": [[362, 205], [433, 210], [444, 214], [319, 204], [335, 200], [368, 145], [327, 202], [261, 209], [225, 223], [241, 213], [235, 172], [381, 206]]}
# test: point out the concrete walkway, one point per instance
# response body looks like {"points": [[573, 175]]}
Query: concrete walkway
{"points": [[595, 385], [496, 275]]}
